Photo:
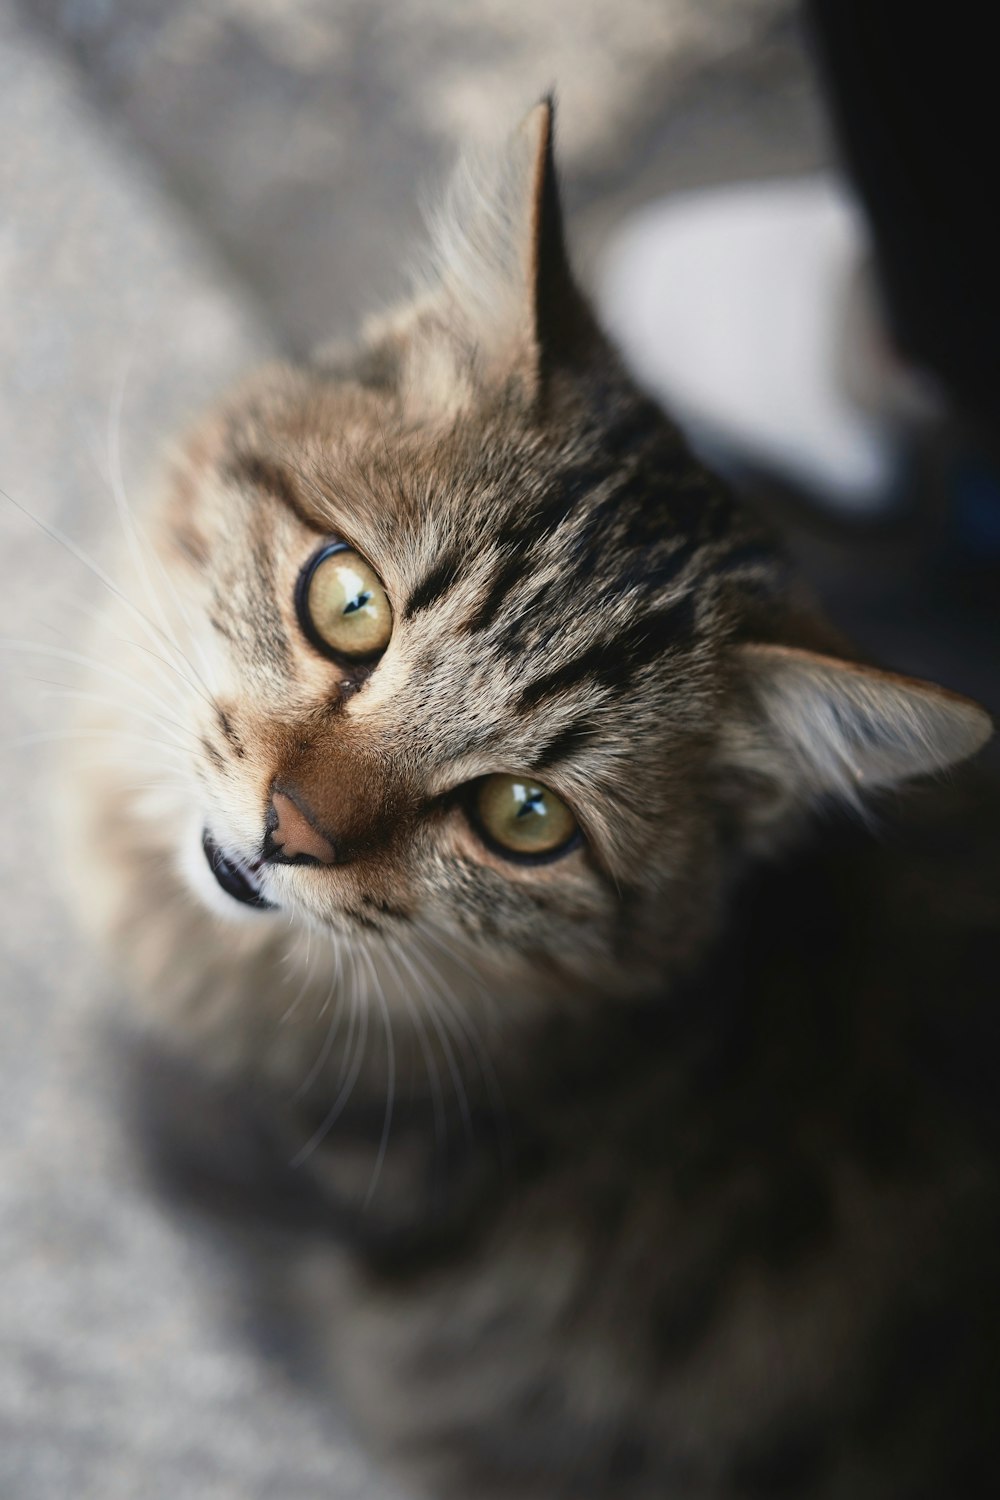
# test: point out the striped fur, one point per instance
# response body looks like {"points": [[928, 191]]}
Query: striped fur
{"points": [[641, 1193]]}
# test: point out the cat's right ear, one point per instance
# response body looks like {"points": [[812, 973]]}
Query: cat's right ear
{"points": [[807, 727], [496, 300], [498, 255]]}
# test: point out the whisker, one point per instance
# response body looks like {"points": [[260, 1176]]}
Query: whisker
{"points": [[463, 1022], [341, 1101], [322, 1057], [97, 613], [307, 978], [451, 1061], [352, 1019], [60, 691], [61, 539], [46, 736], [325, 1051], [77, 658], [452, 951], [390, 1079], [133, 538], [397, 956]]}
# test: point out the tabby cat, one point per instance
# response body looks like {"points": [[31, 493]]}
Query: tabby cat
{"points": [[470, 837]]}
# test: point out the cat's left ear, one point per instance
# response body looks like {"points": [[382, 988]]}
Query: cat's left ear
{"points": [[499, 257], [815, 726]]}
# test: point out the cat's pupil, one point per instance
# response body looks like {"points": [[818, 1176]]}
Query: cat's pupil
{"points": [[358, 602], [533, 803]]}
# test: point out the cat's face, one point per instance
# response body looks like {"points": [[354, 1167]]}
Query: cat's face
{"points": [[464, 676], [475, 639]]}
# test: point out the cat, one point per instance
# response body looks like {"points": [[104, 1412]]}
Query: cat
{"points": [[494, 835]]}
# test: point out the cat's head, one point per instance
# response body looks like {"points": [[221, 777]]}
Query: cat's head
{"points": [[482, 650]]}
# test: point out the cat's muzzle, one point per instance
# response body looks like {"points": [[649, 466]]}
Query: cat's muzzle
{"points": [[238, 880]]}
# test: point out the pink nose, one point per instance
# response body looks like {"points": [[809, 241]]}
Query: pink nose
{"points": [[292, 837]]}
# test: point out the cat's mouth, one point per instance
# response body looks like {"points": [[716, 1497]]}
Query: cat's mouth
{"points": [[236, 879]]}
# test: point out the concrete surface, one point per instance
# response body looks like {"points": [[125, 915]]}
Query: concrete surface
{"points": [[185, 184], [300, 134]]}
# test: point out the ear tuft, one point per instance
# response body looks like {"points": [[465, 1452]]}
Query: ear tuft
{"points": [[837, 727]]}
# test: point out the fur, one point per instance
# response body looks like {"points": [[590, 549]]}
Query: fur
{"points": [[640, 1171]]}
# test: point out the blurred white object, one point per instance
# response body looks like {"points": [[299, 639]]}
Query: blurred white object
{"points": [[746, 311]]}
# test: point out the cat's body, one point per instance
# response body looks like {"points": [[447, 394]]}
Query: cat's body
{"points": [[739, 1244], [662, 1162]]}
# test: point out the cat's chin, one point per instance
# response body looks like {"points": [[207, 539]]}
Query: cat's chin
{"points": [[238, 896]]}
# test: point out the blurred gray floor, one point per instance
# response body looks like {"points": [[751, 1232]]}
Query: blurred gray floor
{"points": [[185, 185]]}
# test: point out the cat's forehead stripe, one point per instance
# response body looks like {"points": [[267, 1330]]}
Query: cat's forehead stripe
{"points": [[436, 583], [615, 661], [570, 740]]}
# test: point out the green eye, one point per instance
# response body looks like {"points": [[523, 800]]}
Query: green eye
{"points": [[343, 608], [523, 818]]}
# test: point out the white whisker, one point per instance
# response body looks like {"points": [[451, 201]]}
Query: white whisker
{"points": [[461, 1020], [347, 1088], [60, 691], [114, 736], [451, 1061], [307, 977], [85, 560], [390, 1077], [77, 658], [397, 955], [130, 528]]}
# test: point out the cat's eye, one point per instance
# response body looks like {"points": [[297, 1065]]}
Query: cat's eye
{"points": [[522, 818], [342, 607]]}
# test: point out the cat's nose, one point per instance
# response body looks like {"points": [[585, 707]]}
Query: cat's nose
{"points": [[291, 836]]}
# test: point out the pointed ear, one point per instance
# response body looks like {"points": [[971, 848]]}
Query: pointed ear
{"points": [[816, 726], [496, 298], [563, 325], [499, 253]]}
